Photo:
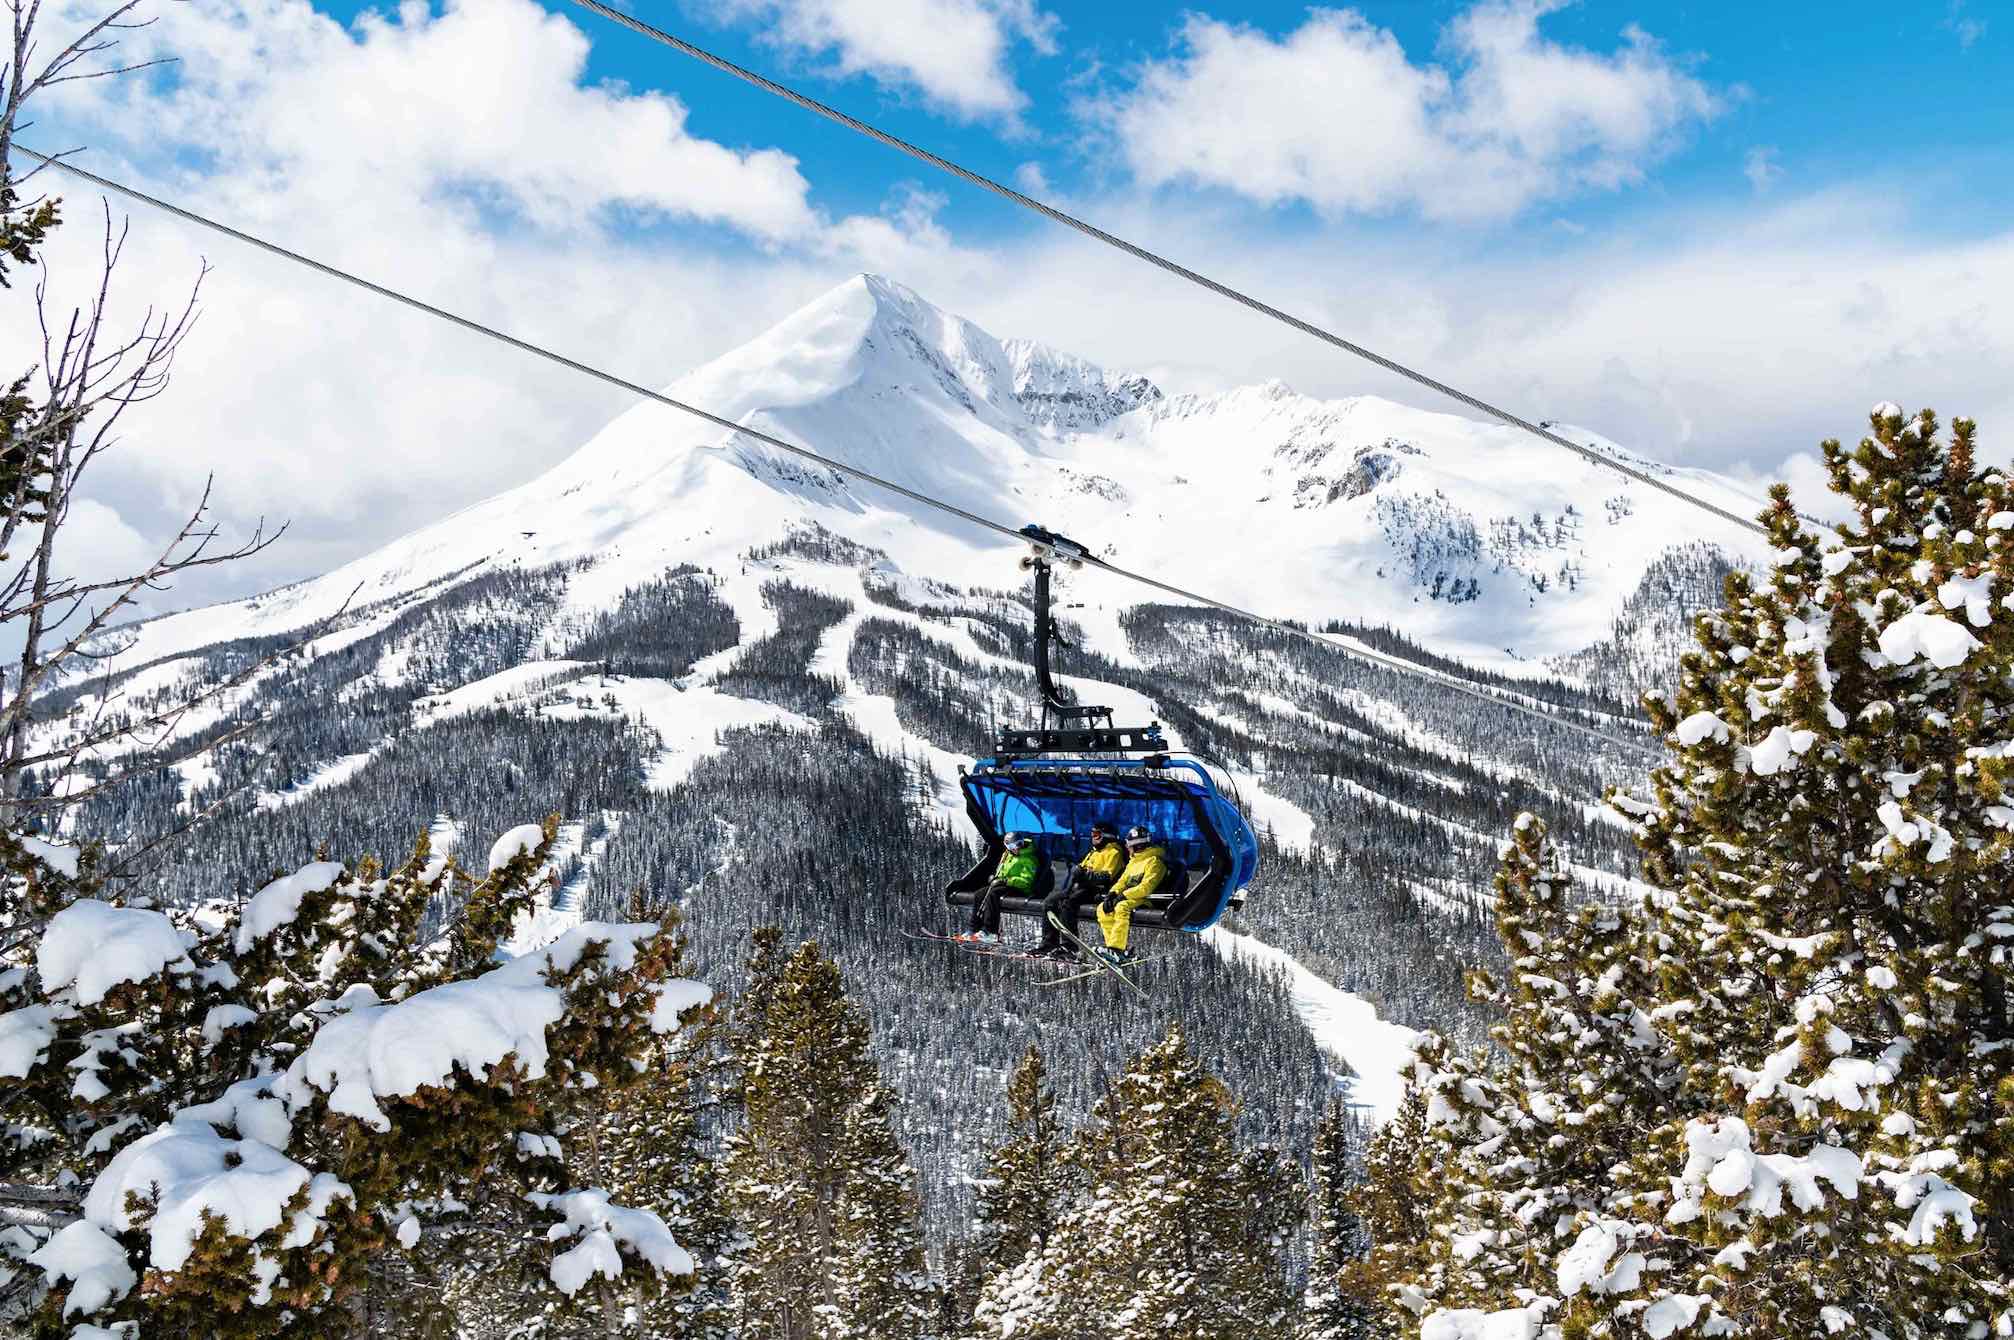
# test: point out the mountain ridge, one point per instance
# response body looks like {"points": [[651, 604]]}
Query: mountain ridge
{"points": [[1468, 535]]}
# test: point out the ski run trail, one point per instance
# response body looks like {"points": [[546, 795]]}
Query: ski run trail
{"points": [[1343, 1024], [1370, 1053], [689, 716], [559, 907]]}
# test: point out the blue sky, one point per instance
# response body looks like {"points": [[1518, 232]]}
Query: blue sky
{"points": [[1838, 91], [1715, 232], [1824, 94]]}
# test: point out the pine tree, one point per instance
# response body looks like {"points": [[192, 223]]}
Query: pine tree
{"points": [[881, 1286], [1801, 1059], [815, 1177], [253, 1117], [749, 1017], [1834, 966], [1391, 1204], [1179, 1232], [1028, 1179], [661, 1156], [644, 1144], [964, 1275], [1333, 1307], [1527, 1134]]}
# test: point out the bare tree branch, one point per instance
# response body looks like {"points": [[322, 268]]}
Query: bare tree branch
{"points": [[165, 721], [90, 378]]}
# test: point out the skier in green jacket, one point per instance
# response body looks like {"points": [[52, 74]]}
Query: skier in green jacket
{"points": [[1014, 877]]}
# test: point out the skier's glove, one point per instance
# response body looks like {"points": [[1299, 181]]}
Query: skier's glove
{"points": [[1110, 905]]}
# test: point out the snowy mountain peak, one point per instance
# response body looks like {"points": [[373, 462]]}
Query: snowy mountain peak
{"points": [[1474, 538], [868, 333]]}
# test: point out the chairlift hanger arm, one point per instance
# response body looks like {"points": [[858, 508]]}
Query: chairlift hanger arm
{"points": [[1045, 635]]}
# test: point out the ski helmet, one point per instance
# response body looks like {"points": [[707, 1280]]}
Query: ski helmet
{"points": [[1016, 841], [1136, 836], [1101, 827]]}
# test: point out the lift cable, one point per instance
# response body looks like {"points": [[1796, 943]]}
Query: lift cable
{"points": [[1495, 697], [1091, 230]]}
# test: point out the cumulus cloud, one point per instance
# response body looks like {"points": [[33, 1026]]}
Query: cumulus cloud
{"points": [[462, 156], [956, 53], [484, 104], [1336, 114]]}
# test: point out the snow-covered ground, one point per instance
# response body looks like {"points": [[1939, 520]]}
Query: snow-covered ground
{"points": [[516, 684], [1344, 1025], [324, 777], [874, 716], [688, 719], [559, 907]]}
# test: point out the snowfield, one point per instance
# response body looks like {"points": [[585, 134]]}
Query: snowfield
{"points": [[1344, 1025]]}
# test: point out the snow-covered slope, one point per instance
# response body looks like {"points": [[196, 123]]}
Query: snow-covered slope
{"points": [[1474, 539]]}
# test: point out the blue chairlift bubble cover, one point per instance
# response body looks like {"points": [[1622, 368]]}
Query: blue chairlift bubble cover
{"points": [[1176, 800]]}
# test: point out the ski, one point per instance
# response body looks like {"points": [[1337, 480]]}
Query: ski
{"points": [[1092, 956], [1103, 968], [983, 950]]}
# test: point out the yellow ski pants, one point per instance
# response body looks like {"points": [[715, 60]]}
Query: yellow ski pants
{"points": [[1116, 924]]}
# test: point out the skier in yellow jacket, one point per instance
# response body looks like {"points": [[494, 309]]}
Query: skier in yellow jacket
{"points": [[1146, 870], [1090, 880]]}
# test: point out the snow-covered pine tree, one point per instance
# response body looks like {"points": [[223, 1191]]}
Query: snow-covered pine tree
{"points": [[961, 1279], [1179, 1232], [661, 1158], [1831, 950], [1028, 1178], [1527, 1135], [1391, 1203], [748, 1016], [1835, 836], [1332, 1306], [643, 1144], [781, 1178], [221, 1118], [881, 1284], [814, 1177]]}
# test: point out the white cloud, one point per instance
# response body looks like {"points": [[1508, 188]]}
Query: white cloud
{"points": [[1729, 337], [482, 103], [1967, 30], [1761, 168], [1336, 114], [457, 157], [956, 53], [97, 545]]}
